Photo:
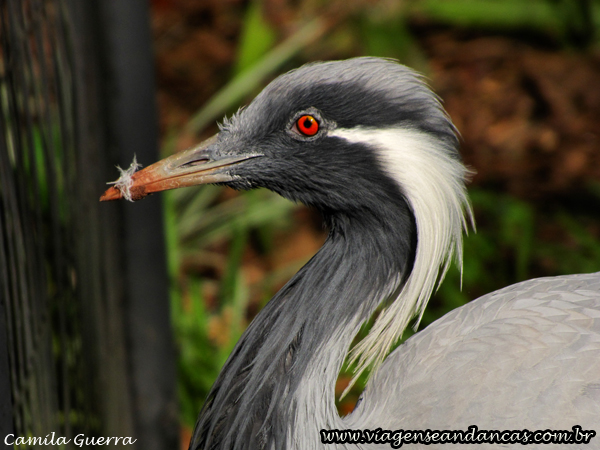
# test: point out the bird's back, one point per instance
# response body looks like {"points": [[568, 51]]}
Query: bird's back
{"points": [[524, 357]]}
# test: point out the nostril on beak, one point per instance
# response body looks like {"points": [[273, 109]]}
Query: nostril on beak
{"points": [[197, 162]]}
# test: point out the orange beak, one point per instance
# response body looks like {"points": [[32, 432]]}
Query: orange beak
{"points": [[197, 165]]}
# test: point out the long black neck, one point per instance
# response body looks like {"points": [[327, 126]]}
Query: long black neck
{"points": [[280, 377]]}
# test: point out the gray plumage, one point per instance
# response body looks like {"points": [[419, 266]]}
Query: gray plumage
{"points": [[524, 357], [384, 171]]}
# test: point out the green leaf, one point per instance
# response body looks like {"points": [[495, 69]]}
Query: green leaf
{"points": [[493, 13], [249, 80], [257, 38]]}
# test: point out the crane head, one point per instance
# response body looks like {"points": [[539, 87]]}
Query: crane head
{"points": [[309, 137], [366, 142]]}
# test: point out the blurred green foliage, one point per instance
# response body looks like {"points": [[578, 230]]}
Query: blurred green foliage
{"points": [[569, 21], [258, 37], [515, 240], [197, 221]]}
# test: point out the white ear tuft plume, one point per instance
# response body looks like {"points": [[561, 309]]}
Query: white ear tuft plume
{"points": [[433, 183]]}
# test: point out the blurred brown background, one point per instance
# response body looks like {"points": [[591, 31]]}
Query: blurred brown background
{"points": [[84, 311]]}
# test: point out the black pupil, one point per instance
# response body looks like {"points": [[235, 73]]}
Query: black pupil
{"points": [[307, 123]]}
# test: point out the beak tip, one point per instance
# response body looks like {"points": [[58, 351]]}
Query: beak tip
{"points": [[134, 194], [111, 194]]}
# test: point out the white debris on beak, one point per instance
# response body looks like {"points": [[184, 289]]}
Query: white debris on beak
{"points": [[125, 181]]}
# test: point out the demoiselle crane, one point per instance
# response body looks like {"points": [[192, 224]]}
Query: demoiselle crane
{"points": [[365, 142]]}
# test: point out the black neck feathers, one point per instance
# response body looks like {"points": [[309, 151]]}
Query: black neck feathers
{"points": [[296, 345]]}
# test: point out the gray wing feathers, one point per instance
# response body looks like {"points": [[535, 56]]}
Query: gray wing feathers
{"points": [[527, 356]]}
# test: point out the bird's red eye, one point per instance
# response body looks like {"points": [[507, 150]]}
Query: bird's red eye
{"points": [[307, 125]]}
